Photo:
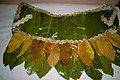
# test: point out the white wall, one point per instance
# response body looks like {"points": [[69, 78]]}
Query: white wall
{"points": [[7, 13]]}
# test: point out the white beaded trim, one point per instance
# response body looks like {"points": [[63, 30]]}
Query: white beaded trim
{"points": [[111, 20], [18, 12], [49, 39], [23, 20], [111, 30]]}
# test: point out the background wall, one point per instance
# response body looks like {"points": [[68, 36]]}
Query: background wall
{"points": [[7, 13], [64, 1]]}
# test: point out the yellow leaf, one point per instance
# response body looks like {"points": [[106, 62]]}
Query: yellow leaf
{"points": [[37, 50], [54, 55], [65, 53], [15, 42], [106, 48], [74, 53], [114, 39], [94, 43], [26, 45], [85, 52]]}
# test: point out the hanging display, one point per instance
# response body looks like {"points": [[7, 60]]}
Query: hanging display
{"points": [[71, 43]]}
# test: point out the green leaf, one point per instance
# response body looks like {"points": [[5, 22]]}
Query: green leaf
{"points": [[21, 59], [32, 67], [70, 70], [97, 62], [117, 58], [48, 27], [43, 67], [65, 70], [107, 66], [31, 26], [10, 58], [77, 70], [118, 32], [93, 73]]}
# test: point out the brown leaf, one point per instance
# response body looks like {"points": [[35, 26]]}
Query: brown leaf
{"points": [[85, 52], [65, 54], [40, 49], [37, 50], [54, 55], [106, 48], [47, 50], [74, 52]]}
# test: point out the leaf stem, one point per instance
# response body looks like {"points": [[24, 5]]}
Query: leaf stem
{"points": [[74, 33], [49, 27], [25, 12], [74, 28], [94, 71]]}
